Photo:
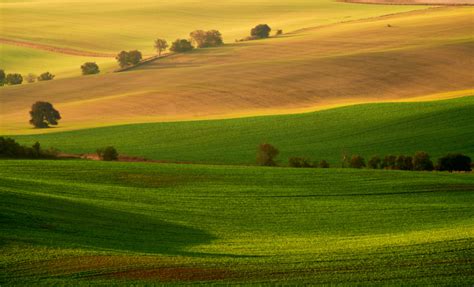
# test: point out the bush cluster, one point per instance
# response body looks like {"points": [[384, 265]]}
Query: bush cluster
{"points": [[130, 58], [9, 148]]}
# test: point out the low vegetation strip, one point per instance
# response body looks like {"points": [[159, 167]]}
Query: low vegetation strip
{"points": [[64, 222], [55, 49], [437, 127]]}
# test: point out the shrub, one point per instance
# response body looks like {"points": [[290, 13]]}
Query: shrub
{"points": [[161, 45], [422, 161], [374, 162], [2, 77], [357, 161], [323, 164], [299, 162], [30, 78], [261, 31], [389, 162], [43, 114], [181, 46], [9, 148], [90, 68], [108, 153], [204, 39], [279, 32], [454, 162], [134, 57], [266, 155], [47, 76], [129, 58], [13, 79]]}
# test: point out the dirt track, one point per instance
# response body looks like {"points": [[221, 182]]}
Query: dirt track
{"points": [[413, 2], [54, 49]]}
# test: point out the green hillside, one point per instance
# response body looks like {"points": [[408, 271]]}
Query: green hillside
{"points": [[437, 127], [85, 222]]}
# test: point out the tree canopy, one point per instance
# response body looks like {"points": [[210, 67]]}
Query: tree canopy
{"points": [[43, 114]]}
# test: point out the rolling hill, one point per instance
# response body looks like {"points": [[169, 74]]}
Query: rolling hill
{"points": [[93, 223], [438, 127], [112, 26], [421, 53]]}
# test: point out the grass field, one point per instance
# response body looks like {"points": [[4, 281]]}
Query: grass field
{"points": [[83, 222], [437, 127], [422, 53]]}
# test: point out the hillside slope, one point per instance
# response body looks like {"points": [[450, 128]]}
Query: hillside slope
{"points": [[95, 223], [437, 127], [421, 53]]}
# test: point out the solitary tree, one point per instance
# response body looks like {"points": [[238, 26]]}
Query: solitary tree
{"points": [[30, 78], [43, 114], [161, 45], [266, 155], [261, 31], [108, 153], [422, 161], [181, 45], [14, 79], [2, 77], [357, 162], [454, 162], [90, 68], [47, 76]]}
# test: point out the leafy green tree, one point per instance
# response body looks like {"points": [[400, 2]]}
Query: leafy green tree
{"points": [[14, 79], [122, 59], [454, 162], [43, 114], [108, 153], [357, 161], [181, 46], [161, 45], [422, 161], [260, 31], [90, 68], [266, 155], [204, 39], [134, 57], [374, 162], [47, 76]]}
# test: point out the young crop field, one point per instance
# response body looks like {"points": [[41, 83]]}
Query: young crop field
{"points": [[437, 127], [85, 222]]}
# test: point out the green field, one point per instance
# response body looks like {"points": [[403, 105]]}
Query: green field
{"points": [[85, 222], [438, 127]]}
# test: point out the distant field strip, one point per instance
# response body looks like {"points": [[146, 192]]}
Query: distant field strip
{"points": [[437, 127], [88, 223], [67, 51]]}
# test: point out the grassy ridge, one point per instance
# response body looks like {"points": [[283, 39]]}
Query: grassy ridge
{"points": [[115, 222], [437, 127]]}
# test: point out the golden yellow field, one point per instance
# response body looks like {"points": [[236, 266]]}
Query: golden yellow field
{"points": [[394, 57]]}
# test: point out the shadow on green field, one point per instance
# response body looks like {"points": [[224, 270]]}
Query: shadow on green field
{"points": [[57, 222]]}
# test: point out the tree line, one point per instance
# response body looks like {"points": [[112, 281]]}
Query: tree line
{"points": [[197, 39], [420, 161]]}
